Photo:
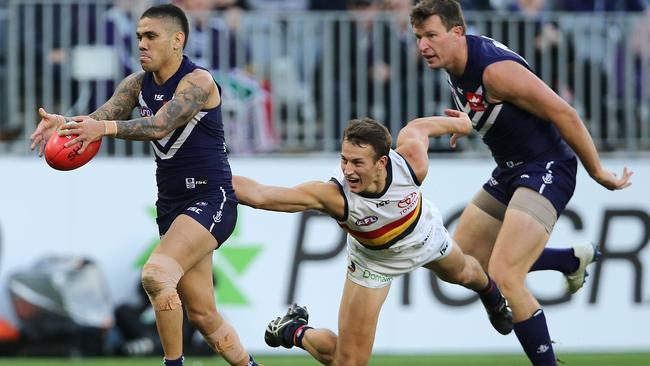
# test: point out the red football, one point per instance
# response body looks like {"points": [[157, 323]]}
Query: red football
{"points": [[60, 157]]}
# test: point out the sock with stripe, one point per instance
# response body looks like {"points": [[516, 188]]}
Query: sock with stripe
{"points": [[176, 362], [299, 334], [490, 295], [535, 340]]}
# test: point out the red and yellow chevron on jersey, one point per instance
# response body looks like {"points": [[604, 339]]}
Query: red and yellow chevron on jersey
{"points": [[397, 216], [392, 231]]}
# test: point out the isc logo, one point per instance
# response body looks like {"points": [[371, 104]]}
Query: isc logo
{"points": [[383, 203]]}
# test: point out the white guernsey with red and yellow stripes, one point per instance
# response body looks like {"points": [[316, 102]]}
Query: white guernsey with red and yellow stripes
{"points": [[396, 217]]}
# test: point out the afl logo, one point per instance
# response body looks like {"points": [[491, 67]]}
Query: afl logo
{"points": [[145, 112], [408, 200], [366, 221]]}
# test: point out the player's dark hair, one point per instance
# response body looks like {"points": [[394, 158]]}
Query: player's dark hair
{"points": [[449, 12], [172, 12], [367, 131]]}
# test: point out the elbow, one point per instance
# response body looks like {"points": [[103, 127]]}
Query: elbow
{"points": [[159, 132]]}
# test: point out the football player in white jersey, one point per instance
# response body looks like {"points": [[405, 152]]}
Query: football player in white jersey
{"points": [[391, 230]]}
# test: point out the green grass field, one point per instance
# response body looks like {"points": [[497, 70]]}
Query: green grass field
{"points": [[605, 359]]}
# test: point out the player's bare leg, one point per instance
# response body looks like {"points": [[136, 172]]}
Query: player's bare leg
{"points": [[520, 242], [358, 314], [476, 233], [196, 290], [183, 246], [465, 270], [321, 344]]}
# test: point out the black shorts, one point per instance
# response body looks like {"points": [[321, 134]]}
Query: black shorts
{"points": [[217, 214], [555, 180]]}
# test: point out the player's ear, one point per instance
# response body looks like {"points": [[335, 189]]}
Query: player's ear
{"points": [[458, 30], [179, 40], [383, 161]]}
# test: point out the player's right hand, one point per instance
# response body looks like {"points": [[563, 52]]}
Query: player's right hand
{"points": [[48, 124], [611, 181]]}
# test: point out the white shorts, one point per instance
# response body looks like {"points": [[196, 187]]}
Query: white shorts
{"points": [[377, 268]]}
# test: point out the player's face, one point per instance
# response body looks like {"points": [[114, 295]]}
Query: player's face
{"points": [[359, 167], [436, 44], [156, 43]]}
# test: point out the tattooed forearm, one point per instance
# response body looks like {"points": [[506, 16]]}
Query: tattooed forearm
{"points": [[138, 129], [186, 104], [123, 101]]}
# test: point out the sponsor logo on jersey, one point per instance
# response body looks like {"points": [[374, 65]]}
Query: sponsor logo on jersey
{"points": [[145, 112], [408, 200], [369, 220], [202, 204], [189, 183], [158, 97], [376, 276], [475, 102], [383, 203], [492, 182]]}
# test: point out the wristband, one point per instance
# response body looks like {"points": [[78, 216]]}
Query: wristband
{"points": [[110, 128]]}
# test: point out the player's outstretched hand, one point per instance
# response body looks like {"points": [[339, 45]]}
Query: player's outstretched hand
{"points": [[467, 125], [610, 181], [47, 126], [86, 129]]}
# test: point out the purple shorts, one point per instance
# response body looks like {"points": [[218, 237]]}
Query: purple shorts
{"points": [[555, 180], [217, 214]]}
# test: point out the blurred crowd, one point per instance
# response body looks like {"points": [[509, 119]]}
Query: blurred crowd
{"points": [[237, 45]]}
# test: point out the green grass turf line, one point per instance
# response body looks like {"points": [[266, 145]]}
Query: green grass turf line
{"points": [[591, 359]]}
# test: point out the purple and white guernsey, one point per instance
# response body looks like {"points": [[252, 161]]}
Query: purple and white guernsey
{"points": [[192, 164], [528, 150], [513, 135]]}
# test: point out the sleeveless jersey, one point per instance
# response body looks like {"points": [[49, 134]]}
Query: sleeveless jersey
{"points": [[513, 135], [191, 160], [396, 217]]}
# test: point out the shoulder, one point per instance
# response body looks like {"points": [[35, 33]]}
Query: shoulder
{"points": [[416, 160], [198, 77], [134, 81], [507, 78]]}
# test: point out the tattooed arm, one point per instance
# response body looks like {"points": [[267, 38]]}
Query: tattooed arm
{"points": [[120, 105], [123, 101], [196, 91]]}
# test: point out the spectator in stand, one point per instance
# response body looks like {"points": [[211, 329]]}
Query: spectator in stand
{"points": [[350, 50], [209, 33], [339, 5], [602, 55], [278, 5]]}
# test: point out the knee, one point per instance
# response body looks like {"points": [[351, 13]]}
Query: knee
{"points": [[508, 282], [160, 276], [350, 358], [205, 320], [459, 277]]}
